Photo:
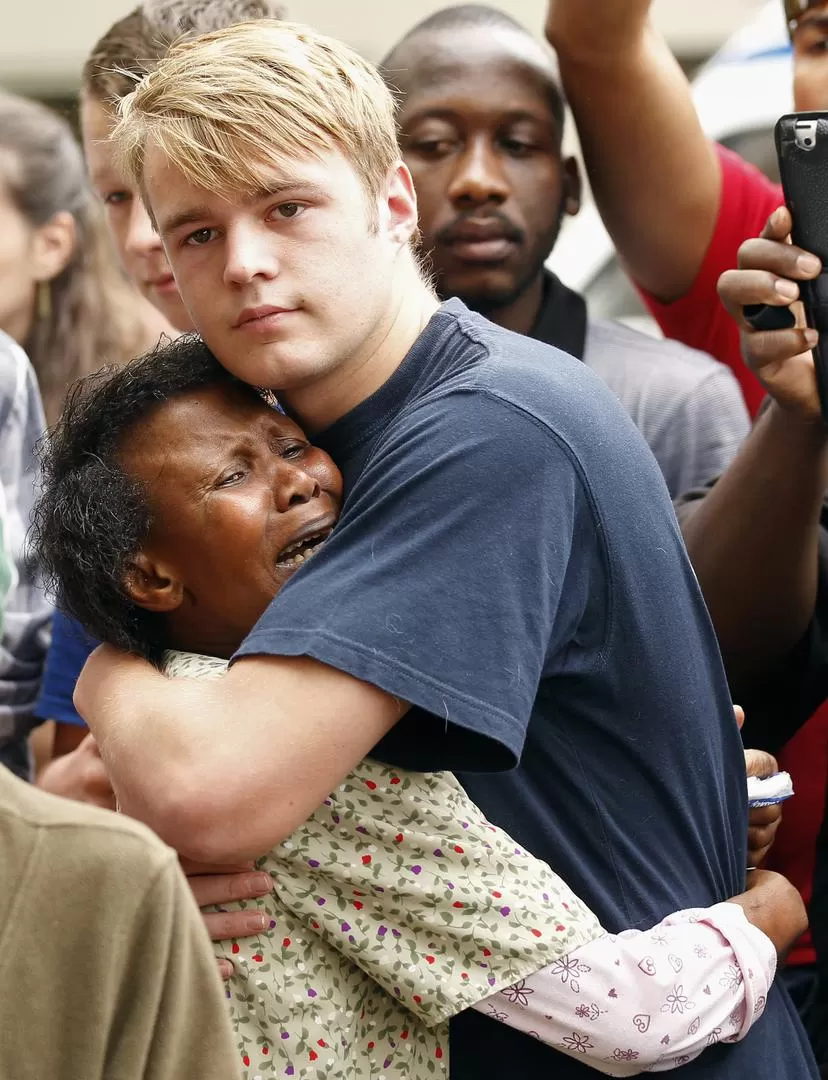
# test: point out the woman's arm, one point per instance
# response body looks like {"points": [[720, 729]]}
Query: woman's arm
{"points": [[651, 1000]]}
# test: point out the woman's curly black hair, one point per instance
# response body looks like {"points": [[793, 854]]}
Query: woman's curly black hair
{"points": [[91, 518]]}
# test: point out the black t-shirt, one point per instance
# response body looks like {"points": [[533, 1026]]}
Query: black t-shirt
{"points": [[508, 561]]}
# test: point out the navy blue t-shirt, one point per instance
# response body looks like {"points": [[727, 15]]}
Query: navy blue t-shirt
{"points": [[508, 561]]}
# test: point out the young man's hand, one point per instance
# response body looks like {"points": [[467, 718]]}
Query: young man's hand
{"points": [[775, 907], [770, 269], [600, 25]]}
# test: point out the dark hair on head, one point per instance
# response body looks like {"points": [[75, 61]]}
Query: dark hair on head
{"points": [[131, 46], [465, 17], [91, 518]]}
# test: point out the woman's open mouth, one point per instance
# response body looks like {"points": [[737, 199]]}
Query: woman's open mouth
{"points": [[301, 550]]}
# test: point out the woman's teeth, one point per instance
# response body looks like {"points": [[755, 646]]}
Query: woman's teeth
{"points": [[301, 551]]}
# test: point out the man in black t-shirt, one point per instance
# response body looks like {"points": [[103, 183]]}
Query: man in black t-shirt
{"points": [[506, 592]]}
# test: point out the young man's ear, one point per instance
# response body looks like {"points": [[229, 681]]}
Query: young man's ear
{"points": [[151, 586], [400, 205]]}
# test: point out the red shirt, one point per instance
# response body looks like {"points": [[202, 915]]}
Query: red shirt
{"points": [[748, 199]]}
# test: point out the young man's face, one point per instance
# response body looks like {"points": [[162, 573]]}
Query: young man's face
{"points": [[136, 241], [481, 140], [288, 286], [239, 500], [810, 43]]}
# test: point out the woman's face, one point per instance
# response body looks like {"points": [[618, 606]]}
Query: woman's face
{"points": [[18, 280]]}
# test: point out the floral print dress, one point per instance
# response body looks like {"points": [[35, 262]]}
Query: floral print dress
{"points": [[395, 907]]}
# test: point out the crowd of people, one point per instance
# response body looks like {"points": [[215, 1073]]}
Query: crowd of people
{"points": [[467, 796]]}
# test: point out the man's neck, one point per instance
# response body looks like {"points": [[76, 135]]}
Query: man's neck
{"points": [[521, 314], [319, 405]]}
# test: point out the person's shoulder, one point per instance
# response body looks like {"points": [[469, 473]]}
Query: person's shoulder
{"points": [[489, 342], [748, 196], [516, 374], [742, 174], [87, 839], [15, 370], [613, 346]]}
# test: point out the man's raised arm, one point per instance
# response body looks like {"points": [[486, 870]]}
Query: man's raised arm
{"points": [[225, 769], [654, 174]]}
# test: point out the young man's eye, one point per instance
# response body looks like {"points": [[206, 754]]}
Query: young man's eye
{"points": [[200, 237], [289, 210], [115, 198]]}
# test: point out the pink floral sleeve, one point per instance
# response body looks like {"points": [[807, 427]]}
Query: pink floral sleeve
{"points": [[647, 1000]]}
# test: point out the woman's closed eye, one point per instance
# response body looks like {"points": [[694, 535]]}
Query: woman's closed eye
{"points": [[231, 478], [293, 450]]}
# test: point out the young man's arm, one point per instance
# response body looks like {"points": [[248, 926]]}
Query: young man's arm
{"points": [[225, 770], [655, 175]]}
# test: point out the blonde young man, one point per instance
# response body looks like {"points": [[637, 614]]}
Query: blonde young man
{"points": [[506, 593]]}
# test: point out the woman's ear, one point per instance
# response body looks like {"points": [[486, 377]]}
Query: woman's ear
{"points": [[54, 243], [152, 586]]}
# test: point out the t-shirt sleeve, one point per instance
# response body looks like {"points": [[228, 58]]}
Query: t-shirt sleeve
{"points": [[442, 583], [698, 319], [172, 1018], [68, 652]]}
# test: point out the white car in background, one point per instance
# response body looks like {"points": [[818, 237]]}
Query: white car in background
{"points": [[739, 94]]}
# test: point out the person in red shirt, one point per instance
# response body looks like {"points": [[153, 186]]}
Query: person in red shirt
{"points": [[678, 222]]}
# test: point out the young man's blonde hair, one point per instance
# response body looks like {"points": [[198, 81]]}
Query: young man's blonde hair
{"points": [[229, 106]]}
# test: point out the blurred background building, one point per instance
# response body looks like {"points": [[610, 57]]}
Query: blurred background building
{"points": [[42, 44]]}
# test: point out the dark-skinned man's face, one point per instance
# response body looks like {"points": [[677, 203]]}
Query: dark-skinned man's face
{"points": [[480, 136]]}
